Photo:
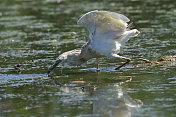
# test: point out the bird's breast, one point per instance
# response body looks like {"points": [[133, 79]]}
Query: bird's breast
{"points": [[105, 46]]}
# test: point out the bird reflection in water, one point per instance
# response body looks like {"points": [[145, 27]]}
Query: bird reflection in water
{"points": [[113, 101], [106, 101]]}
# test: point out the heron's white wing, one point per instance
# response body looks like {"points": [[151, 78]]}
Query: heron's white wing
{"points": [[118, 16], [104, 21]]}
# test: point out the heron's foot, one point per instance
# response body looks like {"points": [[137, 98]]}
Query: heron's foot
{"points": [[128, 60]]}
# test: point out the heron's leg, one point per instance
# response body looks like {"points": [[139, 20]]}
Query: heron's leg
{"points": [[98, 69], [117, 56], [128, 60]]}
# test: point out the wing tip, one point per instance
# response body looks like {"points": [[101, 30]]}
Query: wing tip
{"points": [[81, 19], [115, 15]]}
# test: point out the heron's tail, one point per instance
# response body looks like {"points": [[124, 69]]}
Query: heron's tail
{"points": [[53, 66]]}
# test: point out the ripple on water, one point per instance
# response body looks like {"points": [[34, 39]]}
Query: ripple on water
{"points": [[33, 33], [18, 80]]}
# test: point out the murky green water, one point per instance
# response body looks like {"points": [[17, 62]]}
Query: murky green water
{"points": [[34, 32]]}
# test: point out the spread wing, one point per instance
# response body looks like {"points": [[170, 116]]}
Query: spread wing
{"points": [[104, 21]]}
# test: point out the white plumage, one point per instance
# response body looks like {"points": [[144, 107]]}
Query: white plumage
{"points": [[107, 32]]}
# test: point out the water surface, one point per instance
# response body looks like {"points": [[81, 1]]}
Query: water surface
{"points": [[33, 33]]}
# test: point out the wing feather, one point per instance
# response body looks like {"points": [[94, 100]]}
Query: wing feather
{"points": [[104, 21]]}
